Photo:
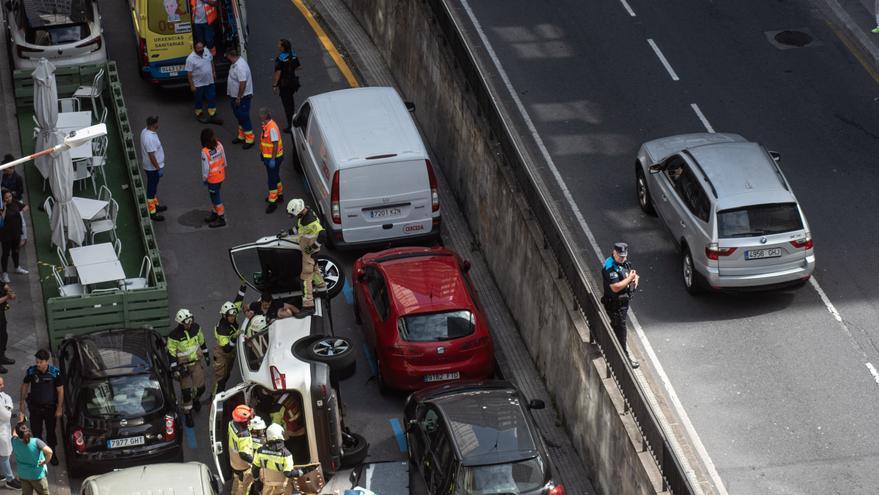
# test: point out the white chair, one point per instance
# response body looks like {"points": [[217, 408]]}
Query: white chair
{"points": [[48, 205], [117, 246], [107, 224], [68, 269], [68, 105], [142, 281], [82, 171], [99, 158], [104, 194], [103, 117], [67, 290], [93, 92]]}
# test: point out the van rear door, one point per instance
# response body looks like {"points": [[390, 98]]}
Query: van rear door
{"points": [[385, 200], [217, 428], [239, 12]]}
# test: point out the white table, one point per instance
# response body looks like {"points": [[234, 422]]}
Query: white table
{"points": [[74, 121], [89, 255], [96, 273], [89, 208]]}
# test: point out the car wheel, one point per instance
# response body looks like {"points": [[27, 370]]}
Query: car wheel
{"points": [[693, 280], [332, 273], [337, 352], [645, 201], [354, 449]]}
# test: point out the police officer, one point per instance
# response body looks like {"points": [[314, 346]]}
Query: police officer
{"points": [[240, 449], [620, 280], [310, 235], [273, 464], [226, 332], [43, 393], [185, 343]]}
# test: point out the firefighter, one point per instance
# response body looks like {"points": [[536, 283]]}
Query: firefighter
{"points": [[310, 235], [273, 464], [226, 333], [185, 343], [257, 429], [257, 324], [288, 414], [240, 449]]}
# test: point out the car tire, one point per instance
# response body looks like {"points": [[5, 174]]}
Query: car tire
{"points": [[694, 282], [645, 201], [336, 352], [354, 449], [332, 272]]}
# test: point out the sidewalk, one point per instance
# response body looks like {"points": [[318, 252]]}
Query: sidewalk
{"points": [[853, 20]]}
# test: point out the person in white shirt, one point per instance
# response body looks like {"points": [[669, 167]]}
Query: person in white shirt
{"points": [[6, 406], [204, 16], [153, 158], [201, 74], [239, 87]]}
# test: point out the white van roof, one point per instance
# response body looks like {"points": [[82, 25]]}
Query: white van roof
{"points": [[360, 123], [189, 478]]}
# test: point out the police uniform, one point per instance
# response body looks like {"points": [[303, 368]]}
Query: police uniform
{"points": [[310, 236], [272, 464], [184, 347], [240, 457], [616, 303], [42, 401], [224, 352]]}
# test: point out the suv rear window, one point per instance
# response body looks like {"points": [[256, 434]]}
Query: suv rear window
{"points": [[430, 327], [757, 220], [126, 396]]}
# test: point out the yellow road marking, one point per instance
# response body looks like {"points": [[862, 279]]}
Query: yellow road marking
{"points": [[328, 45], [854, 51]]}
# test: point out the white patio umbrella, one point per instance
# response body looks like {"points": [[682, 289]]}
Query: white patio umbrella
{"points": [[65, 213], [45, 111]]}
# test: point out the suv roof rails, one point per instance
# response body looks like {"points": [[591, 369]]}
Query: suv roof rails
{"points": [[704, 175]]}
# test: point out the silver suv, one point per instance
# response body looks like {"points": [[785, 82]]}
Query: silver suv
{"points": [[729, 208]]}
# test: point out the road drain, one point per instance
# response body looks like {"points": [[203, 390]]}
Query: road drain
{"points": [[790, 38]]}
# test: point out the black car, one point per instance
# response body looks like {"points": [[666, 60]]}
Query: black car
{"points": [[120, 408], [475, 438]]}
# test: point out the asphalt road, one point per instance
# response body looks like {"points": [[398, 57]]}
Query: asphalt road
{"points": [[778, 390], [195, 258]]}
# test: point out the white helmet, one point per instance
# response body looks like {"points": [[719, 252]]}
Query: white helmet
{"points": [[256, 424], [183, 316], [228, 308], [258, 324], [295, 206], [275, 432]]}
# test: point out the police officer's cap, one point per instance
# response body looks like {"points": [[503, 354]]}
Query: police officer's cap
{"points": [[621, 248]]}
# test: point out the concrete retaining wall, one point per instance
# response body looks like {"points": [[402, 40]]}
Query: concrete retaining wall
{"points": [[428, 73]]}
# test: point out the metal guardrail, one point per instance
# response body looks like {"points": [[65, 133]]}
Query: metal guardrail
{"points": [[571, 267]]}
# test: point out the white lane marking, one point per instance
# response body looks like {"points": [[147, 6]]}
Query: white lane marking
{"points": [[656, 50], [679, 408], [873, 372], [826, 300], [632, 12], [701, 116]]}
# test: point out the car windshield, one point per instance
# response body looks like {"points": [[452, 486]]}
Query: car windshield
{"points": [[429, 327], [758, 220], [512, 478], [125, 396]]}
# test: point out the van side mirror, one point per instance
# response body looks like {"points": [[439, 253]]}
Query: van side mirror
{"points": [[775, 156], [409, 106], [536, 404], [465, 266], [655, 169]]}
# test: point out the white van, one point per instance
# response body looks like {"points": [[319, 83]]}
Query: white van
{"points": [[366, 168], [192, 478]]}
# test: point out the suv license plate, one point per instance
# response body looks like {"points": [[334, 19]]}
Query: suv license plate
{"points": [[118, 443], [442, 377], [758, 254], [385, 212]]}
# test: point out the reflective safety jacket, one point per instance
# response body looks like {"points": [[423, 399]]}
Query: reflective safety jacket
{"points": [[240, 446], [265, 140], [183, 346], [290, 418], [227, 333], [310, 231], [209, 10], [271, 463], [213, 164]]}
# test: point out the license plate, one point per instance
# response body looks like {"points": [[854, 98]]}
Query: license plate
{"points": [[759, 254], [385, 212], [118, 443], [442, 377], [171, 68]]}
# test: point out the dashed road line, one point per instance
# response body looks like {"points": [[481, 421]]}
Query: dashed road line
{"points": [[873, 372], [328, 44], [628, 8], [701, 116], [658, 52]]}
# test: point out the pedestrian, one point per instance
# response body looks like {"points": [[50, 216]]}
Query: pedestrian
{"points": [[6, 406], [273, 463], [10, 235], [204, 16], [620, 280], [31, 457], [12, 180], [272, 151], [6, 295], [310, 235], [153, 157], [226, 332], [42, 396], [202, 74], [240, 449], [239, 87], [284, 81], [270, 308], [185, 343], [213, 173]]}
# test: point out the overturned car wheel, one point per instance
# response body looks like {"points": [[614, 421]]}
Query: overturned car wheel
{"points": [[336, 352], [332, 273]]}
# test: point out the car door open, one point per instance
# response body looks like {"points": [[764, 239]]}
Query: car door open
{"points": [[216, 427]]}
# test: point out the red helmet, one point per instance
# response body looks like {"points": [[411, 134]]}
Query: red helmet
{"points": [[242, 413]]}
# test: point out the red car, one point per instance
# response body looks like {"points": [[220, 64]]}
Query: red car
{"points": [[420, 316]]}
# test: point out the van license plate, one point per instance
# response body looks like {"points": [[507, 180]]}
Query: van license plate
{"points": [[171, 68], [118, 443], [385, 212], [442, 377], [759, 254]]}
